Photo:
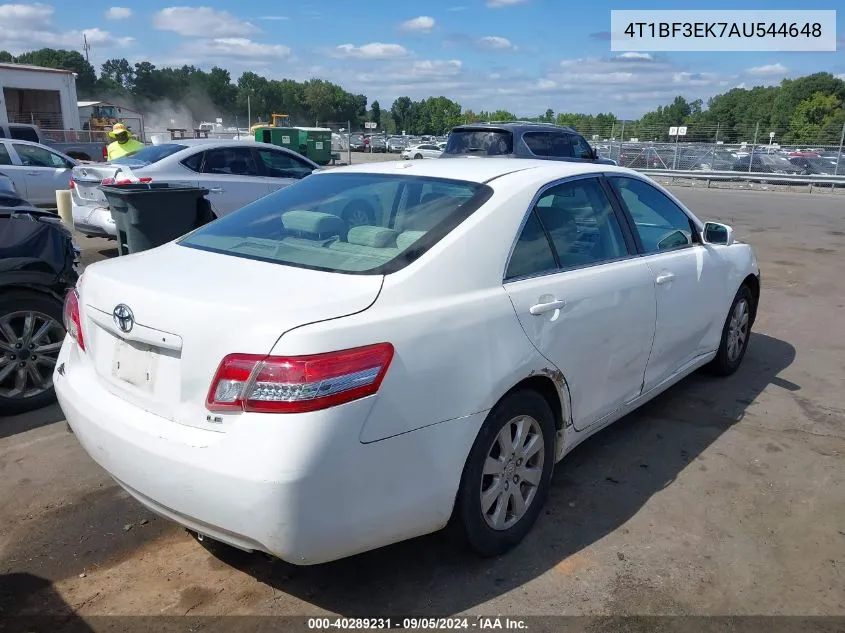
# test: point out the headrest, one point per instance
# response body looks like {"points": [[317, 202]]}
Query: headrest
{"points": [[374, 236], [313, 222], [405, 239]]}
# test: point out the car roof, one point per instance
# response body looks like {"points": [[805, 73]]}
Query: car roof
{"points": [[479, 170], [513, 126]]}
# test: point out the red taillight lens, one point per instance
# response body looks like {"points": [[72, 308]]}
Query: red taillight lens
{"points": [[296, 384], [105, 152], [73, 322], [124, 181], [71, 184]]}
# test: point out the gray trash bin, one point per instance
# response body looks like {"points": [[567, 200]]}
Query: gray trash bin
{"points": [[151, 214]]}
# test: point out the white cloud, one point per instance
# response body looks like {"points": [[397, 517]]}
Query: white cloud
{"points": [[236, 47], [202, 22], [26, 27], [374, 50], [35, 17], [274, 18], [496, 4], [633, 55], [494, 43], [118, 13], [768, 69], [421, 24], [840, 76]]}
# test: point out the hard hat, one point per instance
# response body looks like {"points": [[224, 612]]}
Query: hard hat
{"points": [[118, 128]]}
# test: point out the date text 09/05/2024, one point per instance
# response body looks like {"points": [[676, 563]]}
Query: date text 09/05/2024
{"points": [[722, 29], [431, 624]]}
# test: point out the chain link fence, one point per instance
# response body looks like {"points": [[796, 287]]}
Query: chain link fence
{"points": [[741, 147]]}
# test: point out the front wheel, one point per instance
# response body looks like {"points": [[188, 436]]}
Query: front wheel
{"points": [[735, 334], [507, 475], [418, 157]]}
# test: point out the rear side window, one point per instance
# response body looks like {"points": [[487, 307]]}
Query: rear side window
{"points": [[346, 223], [194, 163], [482, 142], [532, 253], [23, 133], [150, 154], [5, 158], [557, 144]]}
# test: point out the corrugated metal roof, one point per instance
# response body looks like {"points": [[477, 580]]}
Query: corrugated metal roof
{"points": [[27, 67], [85, 104]]}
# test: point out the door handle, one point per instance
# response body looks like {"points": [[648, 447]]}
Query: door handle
{"points": [[217, 190], [664, 278], [542, 308], [33, 173]]}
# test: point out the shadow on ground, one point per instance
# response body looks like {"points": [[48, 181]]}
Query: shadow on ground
{"points": [[49, 614], [23, 422], [606, 480]]}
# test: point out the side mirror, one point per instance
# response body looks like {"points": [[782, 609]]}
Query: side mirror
{"points": [[719, 234]]}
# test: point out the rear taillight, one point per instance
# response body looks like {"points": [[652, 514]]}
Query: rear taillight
{"points": [[71, 184], [105, 152], [296, 384], [124, 181], [73, 322]]}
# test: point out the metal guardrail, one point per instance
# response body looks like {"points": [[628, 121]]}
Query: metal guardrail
{"points": [[811, 180]]}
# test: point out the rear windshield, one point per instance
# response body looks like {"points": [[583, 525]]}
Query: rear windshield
{"points": [[483, 142], [149, 155], [346, 223]]}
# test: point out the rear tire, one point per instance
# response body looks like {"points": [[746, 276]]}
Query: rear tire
{"points": [[736, 334], [41, 308], [498, 473]]}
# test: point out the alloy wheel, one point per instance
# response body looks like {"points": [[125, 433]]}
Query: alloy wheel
{"points": [[29, 347], [512, 472]]}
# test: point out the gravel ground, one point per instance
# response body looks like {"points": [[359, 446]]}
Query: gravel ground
{"points": [[719, 497]]}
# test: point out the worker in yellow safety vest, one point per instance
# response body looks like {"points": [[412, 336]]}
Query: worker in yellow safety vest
{"points": [[124, 143]]}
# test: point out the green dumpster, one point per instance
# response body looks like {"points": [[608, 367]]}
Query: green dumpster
{"points": [[312, 142]]}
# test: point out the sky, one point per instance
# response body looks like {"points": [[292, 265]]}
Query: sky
{"points": [[519, 55]]}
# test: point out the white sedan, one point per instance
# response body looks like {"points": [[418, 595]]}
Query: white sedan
{"points": [[279, 381], [37, 171], [235, 173], [426, 150]]}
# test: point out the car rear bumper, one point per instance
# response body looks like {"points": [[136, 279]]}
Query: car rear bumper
{"points": [[93, 220], [300, 487]]}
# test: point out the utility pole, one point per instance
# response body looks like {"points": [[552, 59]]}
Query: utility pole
{"points": [[348, 142], [86, 46], [753, 144], [248, 112], [839, 155]]}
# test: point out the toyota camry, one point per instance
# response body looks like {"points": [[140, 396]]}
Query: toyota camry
{"points": [[281, 381]]}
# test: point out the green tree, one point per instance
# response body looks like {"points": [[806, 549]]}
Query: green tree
{"points": [[6, 57], [400, 112], [816, 118], [375, 113], [86, 77]]}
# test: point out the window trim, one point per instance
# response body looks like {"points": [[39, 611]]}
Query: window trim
{"points": [[630, 246], [695, 229]]}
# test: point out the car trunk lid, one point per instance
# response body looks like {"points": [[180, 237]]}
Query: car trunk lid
{"points": [[190, 308]]}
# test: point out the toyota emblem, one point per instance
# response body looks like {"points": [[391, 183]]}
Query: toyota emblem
{"points": [[123, 318]]}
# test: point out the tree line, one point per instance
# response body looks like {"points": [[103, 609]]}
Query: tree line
{"points": [[807, 109]]}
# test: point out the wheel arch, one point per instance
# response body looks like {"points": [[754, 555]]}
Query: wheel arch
{"points": [[552, 386], [753, 283]]}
